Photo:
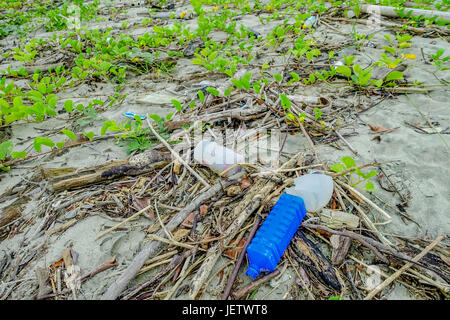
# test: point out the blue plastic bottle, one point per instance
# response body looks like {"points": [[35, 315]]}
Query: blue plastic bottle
{"points": [[275, 234]]}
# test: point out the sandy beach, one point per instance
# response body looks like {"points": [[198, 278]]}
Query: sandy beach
{"points": [[407, 132]]}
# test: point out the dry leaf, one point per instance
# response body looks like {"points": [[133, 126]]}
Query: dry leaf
{"points": [[57, 264], [203, 210], [246, 182], [180, 234], [189, 221], [381, 129], [234, 253]]}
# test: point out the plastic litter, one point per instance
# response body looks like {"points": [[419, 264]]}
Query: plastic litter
{"points": [[315, 189], [310, 22], [273, 237], [217, 157], [311, 193], [131, 115]]}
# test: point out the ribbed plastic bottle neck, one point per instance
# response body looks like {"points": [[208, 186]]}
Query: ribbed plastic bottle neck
{"points": [[252, 271]]}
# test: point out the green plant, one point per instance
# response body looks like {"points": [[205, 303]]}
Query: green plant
{"points": [[439, 61], [356, 176]]}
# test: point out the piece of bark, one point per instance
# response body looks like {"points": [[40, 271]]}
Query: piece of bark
{"points": [[67, 257], [13, 211], [341, 245], [339, 219], [318, 264]]}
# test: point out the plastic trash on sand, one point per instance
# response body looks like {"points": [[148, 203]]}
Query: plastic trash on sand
{"points": [[217, 157], [314, 188], [131, 115], [311, 193], [275, 234]]}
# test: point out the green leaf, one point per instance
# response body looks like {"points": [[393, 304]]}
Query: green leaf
{"points": [[19, 155], [68, 105], [17, 102], [4, 104], [290, 116], [265, 66], [90, 135], [394, 75], [378, 83], [278, 77], [371, 174], [60, 145], [391, 50], [51, 101], [155, 117], [369, 186], [177, 104], [70, 134], [245, 80], [213, 91], [344, 70], [42, 87], [39, 141], [97, 101], [285, 101], [295, 77], [228, 91], [6, 149], [337, 167], [348, 161], [318, 113], [3, 168], [201, 96]]}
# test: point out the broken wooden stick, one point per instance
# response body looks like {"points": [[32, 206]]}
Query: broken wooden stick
{"points": [[254, 284], [233, 276], [389, 280]]}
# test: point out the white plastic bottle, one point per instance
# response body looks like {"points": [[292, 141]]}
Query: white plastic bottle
{"points": [[217, 157], [315, 189]]}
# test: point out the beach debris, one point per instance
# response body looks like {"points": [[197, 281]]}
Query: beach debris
{"points": [[194, 214], [341, 245], [318, 264], [277, 231], [72, 275], [339, 219], [434, 128], [217, 157], [381, 130], [132, 115], [42, 276], [314, 188]]}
